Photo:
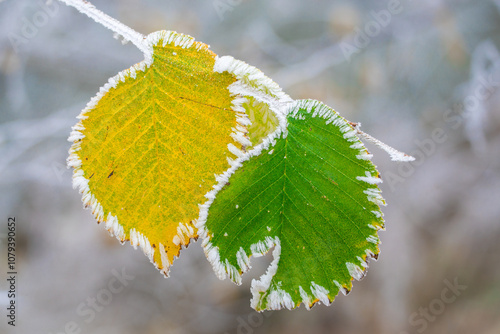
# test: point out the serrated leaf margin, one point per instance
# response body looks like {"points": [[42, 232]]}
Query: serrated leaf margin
{"points": [[111, 223], [280, 299]]}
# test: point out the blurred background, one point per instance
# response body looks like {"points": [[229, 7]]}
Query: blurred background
{"points": [[422, 76]]}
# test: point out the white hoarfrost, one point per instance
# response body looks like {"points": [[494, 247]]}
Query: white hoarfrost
{"points": [[139, 239], [368, 178], [252, 78], [306, 300], [355, 271], [321, 293], [262, 294], [184, 232], [114, 228], [373, 239], [265, 295], [342, 289], [364, 264], [243, 260], [165, 263], [250, 82], [375, 196]]}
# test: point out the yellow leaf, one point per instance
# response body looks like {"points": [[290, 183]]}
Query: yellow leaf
{"points": [[263, 120], [149, 145]]}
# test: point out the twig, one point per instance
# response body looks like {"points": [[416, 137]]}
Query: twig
{"points": [[393, 153], [137, 39], [112, 24]]}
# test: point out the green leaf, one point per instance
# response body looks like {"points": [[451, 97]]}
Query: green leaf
{"points": [[310, 191]]}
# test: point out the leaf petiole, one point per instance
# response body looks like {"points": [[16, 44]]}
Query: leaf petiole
{"points": [[112, 24]]}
